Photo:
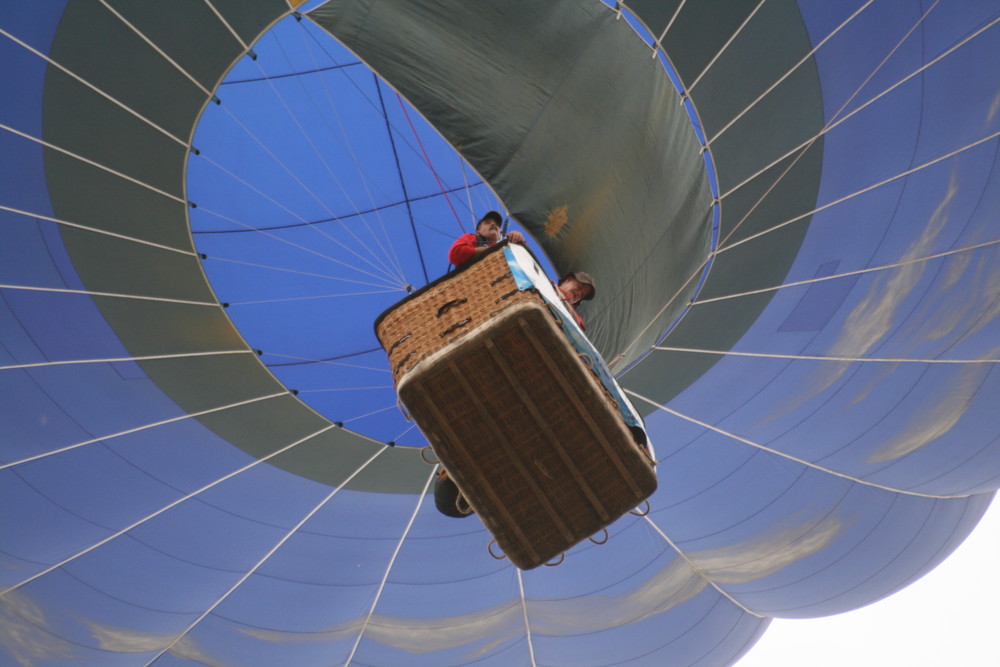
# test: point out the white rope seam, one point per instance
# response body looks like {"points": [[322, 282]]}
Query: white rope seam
{"points": [[295, 271], [63, 290], [369, 414], [74, 225], [407, 430], [388, 569], [807, 357], [159, 512], [291, 114], [142, 428], [223, 21], [670, 301], [835, 123], [348, 146], [387, 276], [329, 170], [848, 274], [789, 457], [309, 298], [780, 177], [92, 163], [150, 357], [156, 48], [670, 23], [787, 74], [697, 570], [303, 248], [860, 192], [265, 558], [331, 362], [94, 88], [527, 623], [725, 46], [314, 391]]}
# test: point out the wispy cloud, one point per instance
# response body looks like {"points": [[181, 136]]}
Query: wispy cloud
{"points": [[934, 419], [666, 589], [126, 640], [22, 635]]}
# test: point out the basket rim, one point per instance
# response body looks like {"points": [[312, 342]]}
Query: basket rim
{"points": [[447, 276]]}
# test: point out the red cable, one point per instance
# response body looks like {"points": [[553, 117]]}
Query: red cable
{"points": [[428, 161]]}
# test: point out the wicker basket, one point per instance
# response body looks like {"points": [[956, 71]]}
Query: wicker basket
{"points": [[446, 310], [529, 434]]}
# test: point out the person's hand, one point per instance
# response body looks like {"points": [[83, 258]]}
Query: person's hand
{"points": [[516, 237]]}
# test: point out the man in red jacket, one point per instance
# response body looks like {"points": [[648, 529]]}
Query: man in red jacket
{"points": [[468, 246]]}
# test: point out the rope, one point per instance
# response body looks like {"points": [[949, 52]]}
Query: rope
{"points": [[698, 571], [725, 46], [93, 164], [329, 170], [63, 290], [295, 271], [95, 230], [806, 357], [402, 181], [427, 160], [805, 146], [300, 247], [287, 536], [288, 299], [140, 428], [806, 58], [159, 512], [848, 274], [789, 457], [151, 357], [861, 192], [388, 569], [94, 88], [527, 622]]}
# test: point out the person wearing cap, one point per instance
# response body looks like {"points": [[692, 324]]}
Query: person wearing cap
{"points": [[576, 287], [468, 246]]}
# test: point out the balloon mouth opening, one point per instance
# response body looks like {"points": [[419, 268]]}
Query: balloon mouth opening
{"points": [[319, 206], [304, 249]]}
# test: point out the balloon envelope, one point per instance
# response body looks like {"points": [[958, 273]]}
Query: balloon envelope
{"points": [[790, 215]]}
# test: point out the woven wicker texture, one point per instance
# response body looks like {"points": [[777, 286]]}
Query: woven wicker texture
{"points": [[428, 321], [528, 434]]}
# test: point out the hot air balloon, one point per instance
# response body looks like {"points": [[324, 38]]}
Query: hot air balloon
{"points": [[791, 213]]}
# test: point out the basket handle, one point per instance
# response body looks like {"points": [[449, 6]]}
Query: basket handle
{"points": [[454, 302], [423, 451], [456, 325], [489, 547], [398, 342], [562, 557], [462, 505], [638, 512], [604, 541], [507, 295], [403, 361], [501, 278]]}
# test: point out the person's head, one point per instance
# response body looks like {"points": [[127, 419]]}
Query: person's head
{"points": [[489, 226], [579, 286], [448, 498]]}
